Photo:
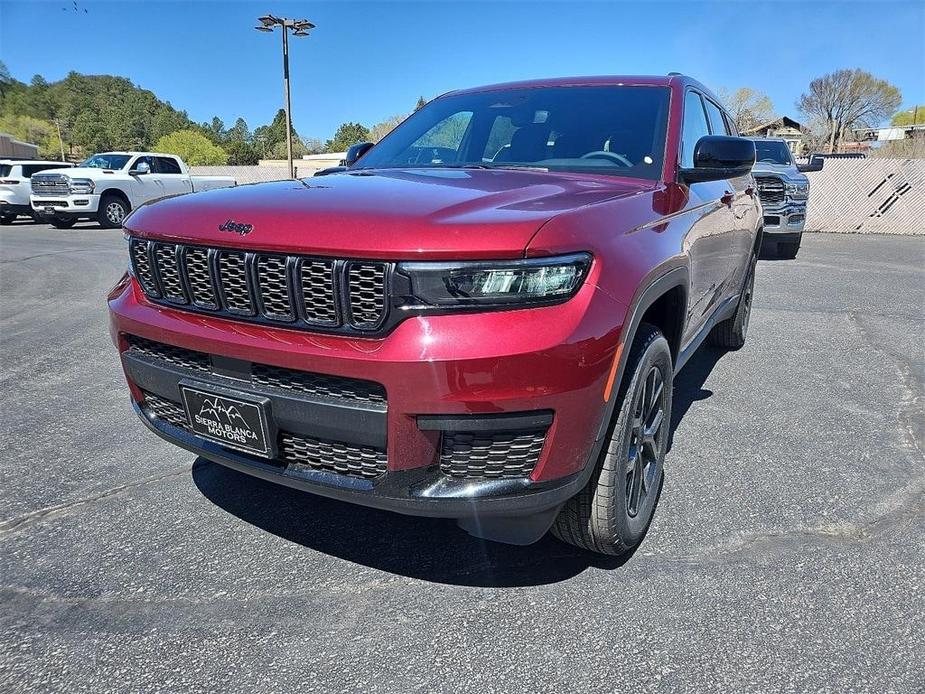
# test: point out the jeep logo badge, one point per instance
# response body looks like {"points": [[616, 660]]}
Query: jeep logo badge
{"points": [[236, 228]]}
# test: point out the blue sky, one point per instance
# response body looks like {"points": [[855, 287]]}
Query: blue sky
{"points": [[367, 61]]}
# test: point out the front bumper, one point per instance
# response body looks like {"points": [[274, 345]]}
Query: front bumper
{"points": [[65, 205], [789, 218], [441, 374]]}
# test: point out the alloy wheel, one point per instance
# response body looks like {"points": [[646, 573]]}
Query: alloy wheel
{"points": [[648, 427], [115, 213]]}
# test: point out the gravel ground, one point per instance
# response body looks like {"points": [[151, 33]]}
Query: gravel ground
{"points": [[786, 555]]}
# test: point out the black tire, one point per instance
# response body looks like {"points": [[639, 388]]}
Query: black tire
{"points": [[789, 250], [731, 333], [62, 222], [112, 211], [7, 219], [611, 514]]}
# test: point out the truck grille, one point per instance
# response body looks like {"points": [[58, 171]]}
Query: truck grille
{"points": [[494, 454], [50, 184], [294, 450], [301, 292], [770, 190]]}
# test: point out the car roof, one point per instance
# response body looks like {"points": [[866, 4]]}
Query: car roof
{"points": [[766, 139], [674, 78], [132, 154], [35, 161]]}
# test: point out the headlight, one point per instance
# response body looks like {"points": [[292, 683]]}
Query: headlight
{"points": [[497, 283], [797, 190], [81, 186]]}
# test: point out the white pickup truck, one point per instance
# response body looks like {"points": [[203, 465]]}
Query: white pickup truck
{"points": [[107, 186]]}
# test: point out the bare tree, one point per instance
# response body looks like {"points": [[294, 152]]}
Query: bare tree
{"points": [[847, 99], [380, 130], [748, 107]]}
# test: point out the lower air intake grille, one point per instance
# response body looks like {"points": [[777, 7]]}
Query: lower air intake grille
{"points": [[342, 458], [296, 450], [317, 384], [498, 454], [158, 351]]}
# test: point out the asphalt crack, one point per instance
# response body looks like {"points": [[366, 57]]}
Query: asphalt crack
{"points": [[19, 522]]}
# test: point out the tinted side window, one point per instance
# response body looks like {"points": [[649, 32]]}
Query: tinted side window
{"points": [[167, 165], [29, 169], [717, 124], [730, 126], [695, 127]]}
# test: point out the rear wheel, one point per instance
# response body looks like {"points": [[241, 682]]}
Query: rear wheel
{"points": [[62, 222], [112, 211], [731, 333], [613, 511]]}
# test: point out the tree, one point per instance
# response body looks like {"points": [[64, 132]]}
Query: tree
{"points": [[911, 116], [34, 130], [420, 104], [347, 134], [849, 98], [193, 147], [380, 130], [241, 153], [748, 107], [238, 132], [267, 137], [313, 145]]}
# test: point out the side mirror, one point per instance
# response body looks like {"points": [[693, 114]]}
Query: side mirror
{"points": [[356, 151], [141, 169], [810, 167], [717, 157]]}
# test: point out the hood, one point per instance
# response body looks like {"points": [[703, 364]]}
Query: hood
{"points": [[394, 214], [81, 172], [787, 171]]}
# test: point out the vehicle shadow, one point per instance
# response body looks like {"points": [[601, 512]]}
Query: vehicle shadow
{"points": [[428, 549]]}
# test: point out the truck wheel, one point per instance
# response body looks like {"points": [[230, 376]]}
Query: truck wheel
{"points": [[62, 222], [7, 219], [612, 513], [788, 251], [731, 333], [112, 211]]}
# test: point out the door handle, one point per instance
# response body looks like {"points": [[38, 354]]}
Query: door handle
{"points": [[750, 191], [727, 198]]}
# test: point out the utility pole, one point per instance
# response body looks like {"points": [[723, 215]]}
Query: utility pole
{"points": [[300, 27]]}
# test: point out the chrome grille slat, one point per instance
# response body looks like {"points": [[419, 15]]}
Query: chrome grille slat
{"points": [[138, 250], [168, 270], [316, 281], [199, 278], [50, 184], [232, 272], [273, 283], [366, 289], [770, 189], [323, 293]]}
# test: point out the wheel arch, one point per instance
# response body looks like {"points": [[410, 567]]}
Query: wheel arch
{"points": [[119, 193]]}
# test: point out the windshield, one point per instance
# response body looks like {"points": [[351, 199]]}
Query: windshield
{"points": [[609, 130], [106, 161], [772, 151]]}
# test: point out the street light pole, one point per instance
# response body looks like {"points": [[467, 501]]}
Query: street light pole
{"points": [[300, 27]]}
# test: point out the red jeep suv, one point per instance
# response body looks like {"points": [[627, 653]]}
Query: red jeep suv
{"points": [[479, 318]]}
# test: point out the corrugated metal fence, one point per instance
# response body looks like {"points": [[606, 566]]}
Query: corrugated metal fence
{"points": [[863, 196], [868, 196]]}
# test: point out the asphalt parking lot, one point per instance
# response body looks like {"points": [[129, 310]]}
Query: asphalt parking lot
{"points": [[786, 554]]}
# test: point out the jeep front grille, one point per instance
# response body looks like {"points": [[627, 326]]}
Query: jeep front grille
{"points": [[296, 291], [496, 454], [295, 450], [770, 190]]}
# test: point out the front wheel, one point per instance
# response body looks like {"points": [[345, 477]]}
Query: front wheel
{"points": [[112, 211], [613, 511], [731, 333], [62, 222]]}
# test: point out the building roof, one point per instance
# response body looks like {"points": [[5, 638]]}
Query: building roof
{"points": [[783, 121]]}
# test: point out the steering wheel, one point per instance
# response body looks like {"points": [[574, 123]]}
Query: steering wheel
{"points": [[612, 156]]}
